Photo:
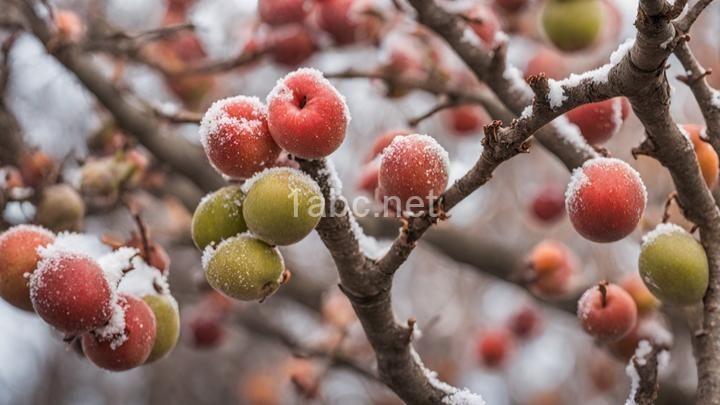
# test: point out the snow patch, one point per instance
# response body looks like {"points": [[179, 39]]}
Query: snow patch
{"points": [[661, 229], [454, 396]]}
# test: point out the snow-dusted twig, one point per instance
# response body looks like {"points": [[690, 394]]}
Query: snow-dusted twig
{"points": [[707, 97], [491, 105], [180, 154], [643, 372]]}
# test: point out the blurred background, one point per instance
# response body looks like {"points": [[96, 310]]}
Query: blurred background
{"points": [[462, 284]]}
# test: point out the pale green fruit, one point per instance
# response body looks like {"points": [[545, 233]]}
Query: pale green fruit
{"points": [[572, 25], [167, 321], [283, 206], [218, 216], [244, 268], [674, 266], [60, 209]]}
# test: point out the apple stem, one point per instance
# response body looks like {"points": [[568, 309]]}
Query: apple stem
{"points": [[602, 286]]}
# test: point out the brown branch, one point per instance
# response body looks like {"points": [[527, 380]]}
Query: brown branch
{"points": [[684, 24], [178, 153], [646, 85], [707, 98], [10, 131], [369, 291], [493, 106], [643, 372], [443, 105], [258, 325]]}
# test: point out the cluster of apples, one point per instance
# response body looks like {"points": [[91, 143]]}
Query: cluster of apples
{"points": [[58, 206], [495, 345], [292, 29], [239, 227], [114, 300]]}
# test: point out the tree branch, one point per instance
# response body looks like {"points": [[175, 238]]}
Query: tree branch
{"points": [[180, 154], [643, 372]]}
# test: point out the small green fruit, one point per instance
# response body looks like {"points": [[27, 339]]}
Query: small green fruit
{"points": [[673, 265], [572, 25], [60, 209], [283, 206], [218, 216], [167, 321], [244, 268]]}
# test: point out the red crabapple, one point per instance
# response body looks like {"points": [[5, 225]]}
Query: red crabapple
{"points": [[607, 312], [36, 167], [548, 204], [598, 122], [383, 141], [494, 346], [552, 266], [368, 179], [466, 119], [485, 23], [706, 155], [280, 12], [234, 133], [345, 20], [206, 332], [651, 328], [605, 199], [525, 323], [69, 25], [306, 115], [71, 293], [511, 5], [549, 62], [10, 178], [290, 45], [18, 258], [133, 349], [413, 172]]}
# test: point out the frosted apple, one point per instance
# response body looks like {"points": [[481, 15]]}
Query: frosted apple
{"points": [[384, 140], [234, 133], [71, 293], [18, 258], [607, 312], [136, 344], [598, 122], [306, 115], [605, 199], [218, 217], [674, 265], [244, 267], [413, 172], [282, 206]]}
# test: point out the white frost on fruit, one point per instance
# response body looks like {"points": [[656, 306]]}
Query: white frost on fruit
{"points": [[283, 93], [662, 229]]}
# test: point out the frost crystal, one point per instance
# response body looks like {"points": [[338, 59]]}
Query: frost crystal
{"points": [[662, 229], [454, 396]]}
